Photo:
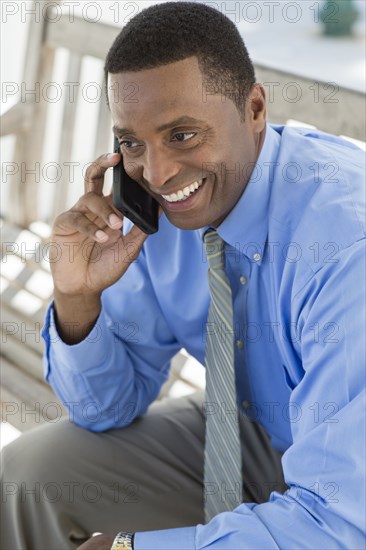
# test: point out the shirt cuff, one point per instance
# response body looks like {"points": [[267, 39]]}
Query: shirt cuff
{"points": [[166, 539], [94, 346]]}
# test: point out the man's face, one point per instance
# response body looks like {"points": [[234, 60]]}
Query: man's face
{"points": [[175, 134]]}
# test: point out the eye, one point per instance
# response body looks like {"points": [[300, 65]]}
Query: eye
{"points": [[182, 136], [128, 144]]}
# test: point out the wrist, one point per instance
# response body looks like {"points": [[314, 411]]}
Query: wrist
{"points": [[89, 300], [75, 316]]}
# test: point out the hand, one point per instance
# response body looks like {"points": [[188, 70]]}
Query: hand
{"points": [[91, 253], [99, 542]]}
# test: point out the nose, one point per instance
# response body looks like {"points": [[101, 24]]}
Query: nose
{"points": [[158, 168]]}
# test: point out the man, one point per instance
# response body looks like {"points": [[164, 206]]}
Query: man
{"points": [[231, 189]]}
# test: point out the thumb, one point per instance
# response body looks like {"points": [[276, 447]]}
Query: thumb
{"points": [[134, 239]]}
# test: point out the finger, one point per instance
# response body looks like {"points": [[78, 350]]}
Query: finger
{"points": [[94, 177], [109, 199], [75, 222], [99, 206]]}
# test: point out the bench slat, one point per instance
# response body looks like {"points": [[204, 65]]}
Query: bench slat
{"points": [[25, 402]]}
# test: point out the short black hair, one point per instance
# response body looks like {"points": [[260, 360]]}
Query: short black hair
{"points": [[173, 31]]}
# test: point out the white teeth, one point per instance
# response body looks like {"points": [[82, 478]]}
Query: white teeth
{"points": [[183, 193]]}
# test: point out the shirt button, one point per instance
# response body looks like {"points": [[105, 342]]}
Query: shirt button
{"points": [[246, 405], [243, 280], [239, 344], [256, 257]]}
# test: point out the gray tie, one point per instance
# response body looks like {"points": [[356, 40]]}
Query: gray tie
{"points": [[222, 466]]}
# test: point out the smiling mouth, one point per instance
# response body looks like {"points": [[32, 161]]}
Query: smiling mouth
{"points": [[184, 193]]}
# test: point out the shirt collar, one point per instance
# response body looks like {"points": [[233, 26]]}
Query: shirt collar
{"points": [[246, 226]]}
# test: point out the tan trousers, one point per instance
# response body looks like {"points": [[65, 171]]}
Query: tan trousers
{"points": [[61, 483]]}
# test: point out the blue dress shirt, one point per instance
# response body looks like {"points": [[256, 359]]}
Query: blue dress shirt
{"points": [[296, 264]]}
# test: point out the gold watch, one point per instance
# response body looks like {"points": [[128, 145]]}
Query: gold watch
{"points": [[123, 541]]}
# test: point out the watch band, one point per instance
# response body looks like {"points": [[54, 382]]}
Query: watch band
{"points": [[123, 541]]}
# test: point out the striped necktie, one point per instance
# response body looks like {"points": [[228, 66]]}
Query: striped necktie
{"points": [[222, 463]]}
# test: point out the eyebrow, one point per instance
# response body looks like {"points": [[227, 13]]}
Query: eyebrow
{"points": [[175, 122]]}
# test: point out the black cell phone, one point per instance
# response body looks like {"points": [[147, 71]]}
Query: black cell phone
{"points": [[132, 200]]}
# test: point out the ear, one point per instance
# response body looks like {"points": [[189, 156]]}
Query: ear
{"points": [[256, 107]]}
